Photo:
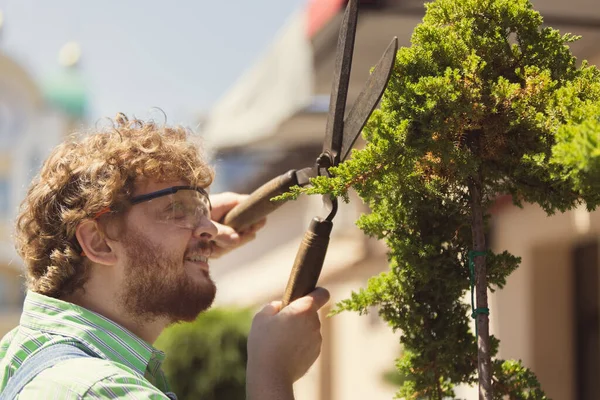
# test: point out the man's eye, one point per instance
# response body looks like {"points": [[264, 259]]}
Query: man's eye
{"points": [[177, 210]]}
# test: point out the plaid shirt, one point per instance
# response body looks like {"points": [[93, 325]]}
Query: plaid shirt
{"points": [[127, 366]]}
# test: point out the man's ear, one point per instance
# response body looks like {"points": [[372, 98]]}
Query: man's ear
{"points": [[94, 243]]}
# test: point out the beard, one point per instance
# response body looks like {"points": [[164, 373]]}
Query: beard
{"points": [[158, 286]]}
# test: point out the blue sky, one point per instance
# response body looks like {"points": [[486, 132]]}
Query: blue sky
{"points": [[180, 56]]}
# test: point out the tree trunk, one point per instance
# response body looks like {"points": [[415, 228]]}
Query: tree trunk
{"points": [[482, 320]]}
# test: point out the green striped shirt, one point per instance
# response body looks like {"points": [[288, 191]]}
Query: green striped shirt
{"points": [[126, 367]]}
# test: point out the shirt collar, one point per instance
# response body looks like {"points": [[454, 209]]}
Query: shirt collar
{"points": [[104, 337]]}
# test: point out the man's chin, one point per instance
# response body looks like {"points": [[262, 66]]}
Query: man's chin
{"points": [[189, 307], [181, 305]]}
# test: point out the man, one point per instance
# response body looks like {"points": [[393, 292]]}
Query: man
{"points": [[116, 234]]}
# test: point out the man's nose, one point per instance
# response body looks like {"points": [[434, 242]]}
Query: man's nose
{"points": [[205, 228]]}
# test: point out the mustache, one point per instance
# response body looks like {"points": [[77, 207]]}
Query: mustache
{"points": [[202, 247]]}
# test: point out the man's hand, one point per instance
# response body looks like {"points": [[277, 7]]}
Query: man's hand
{"points": [[282, 346], [227, 238]]}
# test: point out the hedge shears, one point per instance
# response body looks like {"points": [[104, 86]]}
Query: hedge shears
{"points": [[340, 134]]}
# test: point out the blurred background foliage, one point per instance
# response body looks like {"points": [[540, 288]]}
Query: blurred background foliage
{"points": [[206, 359]]}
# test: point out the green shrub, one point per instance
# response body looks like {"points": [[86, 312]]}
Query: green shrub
{"points": [[206, 359]]}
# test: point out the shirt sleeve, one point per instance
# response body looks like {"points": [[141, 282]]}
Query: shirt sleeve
{"points": [[122, 386]]}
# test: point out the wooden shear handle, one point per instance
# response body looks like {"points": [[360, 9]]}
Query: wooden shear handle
{"points": [[259, 204], [309, 261]]}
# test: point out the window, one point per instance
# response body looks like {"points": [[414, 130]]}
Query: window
{"points": [[587, 321]]}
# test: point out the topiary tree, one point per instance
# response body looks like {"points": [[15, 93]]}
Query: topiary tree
{"points": [[474, 109], [206, 359]]}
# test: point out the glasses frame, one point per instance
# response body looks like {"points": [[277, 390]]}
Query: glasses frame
{"points": [[153, 195], [174, 189]]}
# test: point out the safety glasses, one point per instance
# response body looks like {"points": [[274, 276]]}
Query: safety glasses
{"points": [[182, 206]]}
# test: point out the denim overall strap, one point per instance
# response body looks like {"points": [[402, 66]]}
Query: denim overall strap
{"points": [[43, 359], [35, 364]]}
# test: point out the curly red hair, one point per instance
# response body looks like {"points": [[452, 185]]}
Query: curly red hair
{"points": [[84, 175]]}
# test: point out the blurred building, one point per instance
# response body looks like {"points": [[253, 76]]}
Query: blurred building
{"points": [[34, 118], [273, 119]]}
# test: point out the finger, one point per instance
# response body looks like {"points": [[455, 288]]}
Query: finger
{"points": [[258, 225], [270, 309], [320, 297], [247, 237], [226, 236], [255, 227], [311, 302], [222, 203], [228, 239]]}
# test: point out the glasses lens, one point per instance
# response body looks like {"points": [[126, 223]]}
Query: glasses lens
{"points": [[186, 208]]}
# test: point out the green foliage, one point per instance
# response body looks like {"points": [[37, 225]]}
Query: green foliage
{"points": [[481, 98], [516, 382], [206, 359], [578, 140]]}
